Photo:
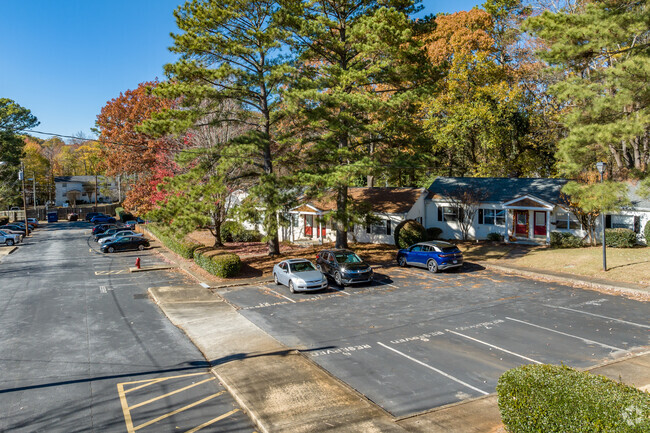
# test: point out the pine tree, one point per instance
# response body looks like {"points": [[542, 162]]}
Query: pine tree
{"points": [[356, 60], [232, 51], [602, 53]]}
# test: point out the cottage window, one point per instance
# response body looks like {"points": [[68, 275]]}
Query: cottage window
{"points": [[448, 213], [623, 222], [382, 227], [492, 217], [566, 221]]}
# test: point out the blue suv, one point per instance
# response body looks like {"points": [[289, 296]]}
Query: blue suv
{"points": [[434, 255]]}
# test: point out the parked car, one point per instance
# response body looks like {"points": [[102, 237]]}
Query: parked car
{"points": [[91, 215], [33, 221], [433, 255], [300, 275], [132, 223], [73, 217], [16, 227], [13, 231], [101, 228], [102, 219], [109, 232], [8, 238], [344, 266], [118, 234], [14, 208], [125, 243]]}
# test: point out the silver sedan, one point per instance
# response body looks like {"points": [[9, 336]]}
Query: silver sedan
{"points": [[300, 275]]}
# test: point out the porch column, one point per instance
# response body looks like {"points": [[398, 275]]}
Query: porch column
{"points": [[506, 238], [531, 224], [320, 231], [548, 227]]}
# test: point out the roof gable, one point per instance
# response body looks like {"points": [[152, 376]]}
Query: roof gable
{"points": [[380, 199]]}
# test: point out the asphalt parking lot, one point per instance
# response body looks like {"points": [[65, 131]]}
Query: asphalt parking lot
{"points": [[412, 341]]}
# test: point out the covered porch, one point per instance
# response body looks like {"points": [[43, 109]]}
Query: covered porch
{"points": [[528, 220], [308, 225]]}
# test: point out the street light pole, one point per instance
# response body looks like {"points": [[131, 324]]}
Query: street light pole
{"points": [[601, 169]]}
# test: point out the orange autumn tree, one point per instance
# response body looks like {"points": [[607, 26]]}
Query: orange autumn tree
{"points": [[131, 153]]}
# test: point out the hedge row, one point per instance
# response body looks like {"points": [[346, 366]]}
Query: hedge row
{"points": [[565, 240], [180, 246], [221, 265], [549, 399], [646, 233], [620, 238]]}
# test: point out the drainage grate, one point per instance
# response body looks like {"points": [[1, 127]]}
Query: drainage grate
{"points": [[141, 296]]}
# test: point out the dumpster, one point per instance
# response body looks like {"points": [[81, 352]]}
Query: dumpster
{"points": [[52, 217]]}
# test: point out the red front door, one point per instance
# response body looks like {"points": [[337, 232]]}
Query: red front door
{"points": [[540, 223], [309, 223], [323, 233], [521, 223]]}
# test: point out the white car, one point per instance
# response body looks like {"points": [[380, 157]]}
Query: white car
{"points": [[8, 238], [300, 275], [118, 235]]}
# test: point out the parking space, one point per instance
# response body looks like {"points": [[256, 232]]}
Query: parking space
{"points": [[412, 341]]}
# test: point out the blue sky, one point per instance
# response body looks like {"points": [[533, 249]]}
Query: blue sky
{"points": [[65, 59]]}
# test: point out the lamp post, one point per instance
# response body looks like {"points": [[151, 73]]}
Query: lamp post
{"points": [[601, 169]]}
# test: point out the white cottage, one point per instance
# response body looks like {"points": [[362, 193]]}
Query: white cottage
{"points": [[520, 209], [389, 206]]}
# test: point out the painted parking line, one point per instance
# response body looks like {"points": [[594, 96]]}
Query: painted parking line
{"points": [[140, 384], [280, 294], [448, 376], [114, 272], [493, 346], [585, 340], [598, 315]]}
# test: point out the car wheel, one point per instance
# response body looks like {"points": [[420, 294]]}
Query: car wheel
{"points": [[401, 261], [111, 249], [275, 279], [9, 242], [432, 266], [141, 247], [292, 288], [338, 279]]}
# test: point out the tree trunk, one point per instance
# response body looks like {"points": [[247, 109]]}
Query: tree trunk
{"points": [[342, 222]]}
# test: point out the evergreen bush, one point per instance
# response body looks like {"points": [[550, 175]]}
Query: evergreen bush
{"points": [[565, 240], [554, 399], [495, 237], [620, 238], [646, 233], [409, 232], [222, 265], [433, 233]]}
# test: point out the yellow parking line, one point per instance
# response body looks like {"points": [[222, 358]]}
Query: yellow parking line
{"points": [[125, 408], [212, 421], [170, 393], [172, 413], [160, 379]]}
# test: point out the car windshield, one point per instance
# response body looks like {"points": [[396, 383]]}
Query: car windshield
{"points": [[301, 267], [347, 258]]}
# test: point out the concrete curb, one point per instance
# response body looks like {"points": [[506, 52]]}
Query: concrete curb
{"points": [[541, 275], [152, 268]]}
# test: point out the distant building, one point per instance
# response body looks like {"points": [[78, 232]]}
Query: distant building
{"points": [[81, 189]]}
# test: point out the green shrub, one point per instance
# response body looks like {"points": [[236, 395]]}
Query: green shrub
{"points": [[565, 240], [497, 237], [234, 231], [181, 247], [409, 232], [221, 265], [433, 233], [646, 233], [554, 399], [620, 238]]}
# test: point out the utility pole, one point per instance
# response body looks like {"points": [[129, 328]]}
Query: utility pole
{"points": [[601, 166], [21, 176], [95, 208], [34, 186]]}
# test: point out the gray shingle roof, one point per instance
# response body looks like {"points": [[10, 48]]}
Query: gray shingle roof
{"points": [[501, 189]]}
